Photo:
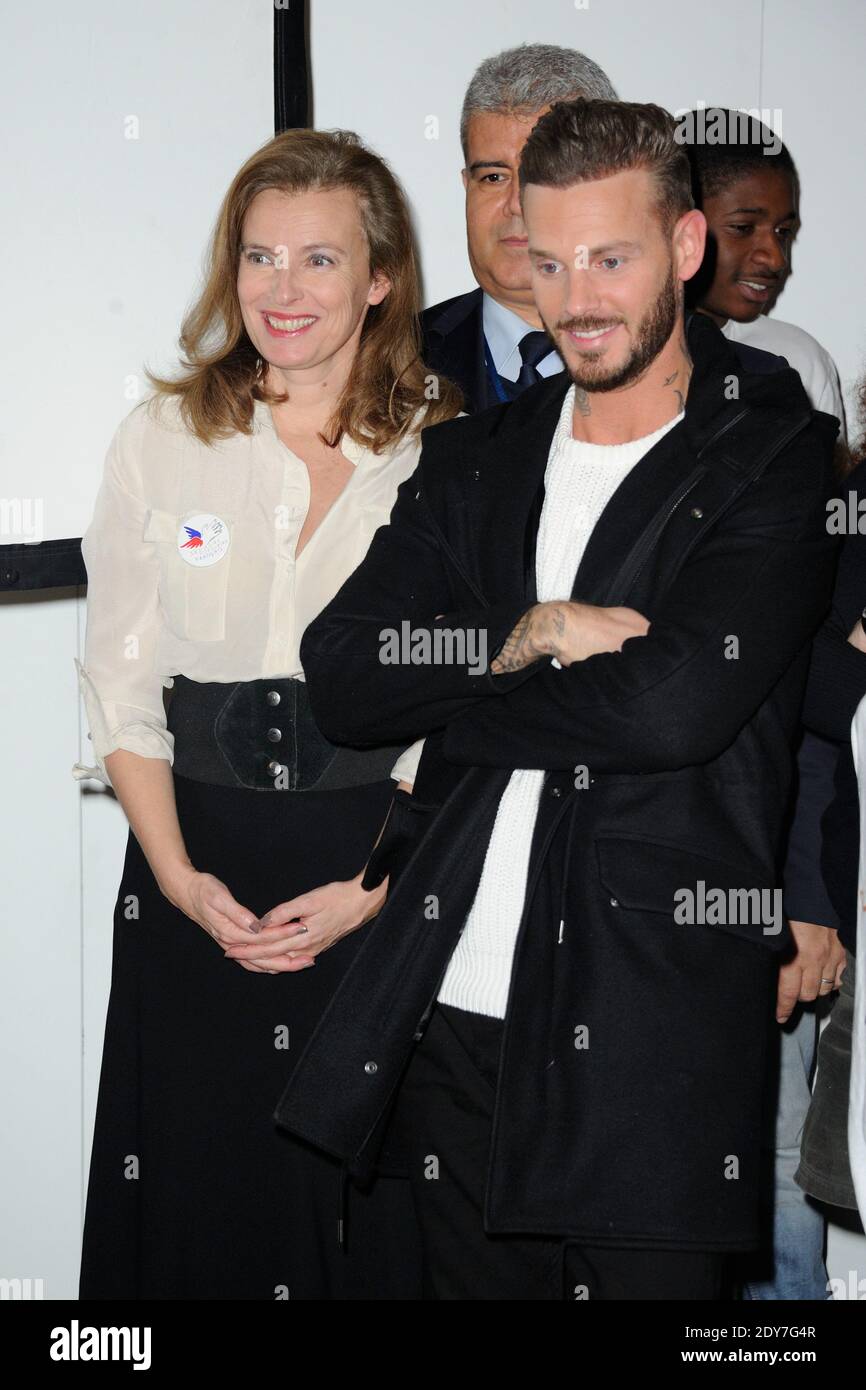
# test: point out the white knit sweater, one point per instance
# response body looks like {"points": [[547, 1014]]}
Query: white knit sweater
{"points": [[579, 481]]}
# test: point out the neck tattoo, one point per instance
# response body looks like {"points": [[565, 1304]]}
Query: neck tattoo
{"points": [[669, 381]]}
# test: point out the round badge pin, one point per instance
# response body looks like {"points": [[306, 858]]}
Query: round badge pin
{"points": [[203, 539]]}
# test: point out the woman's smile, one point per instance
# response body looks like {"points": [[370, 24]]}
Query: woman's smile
{"points": [[288, 326]]}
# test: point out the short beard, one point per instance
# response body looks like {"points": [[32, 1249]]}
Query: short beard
{"points": [[653, 332]]}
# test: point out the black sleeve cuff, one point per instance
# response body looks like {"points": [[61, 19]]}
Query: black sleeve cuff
{"points": [[497, 621], [407, 822]]}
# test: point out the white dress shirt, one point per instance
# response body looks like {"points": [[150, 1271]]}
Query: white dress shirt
{"points": [[504, 331], [191, 567], [579, 481]]}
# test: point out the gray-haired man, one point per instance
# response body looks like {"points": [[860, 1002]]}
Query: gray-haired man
{"points": [[490, 341]]}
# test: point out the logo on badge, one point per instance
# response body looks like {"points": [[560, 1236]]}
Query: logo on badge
{"points": [[203, 539]]}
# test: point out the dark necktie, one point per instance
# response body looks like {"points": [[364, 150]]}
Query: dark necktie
{"points": [[534, 347]]}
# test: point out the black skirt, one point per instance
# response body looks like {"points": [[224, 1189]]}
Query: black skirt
{"points": [[194, 1191]]}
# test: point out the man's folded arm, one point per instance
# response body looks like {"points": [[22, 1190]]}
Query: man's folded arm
{"points": [[736, 616], [401, 590]]}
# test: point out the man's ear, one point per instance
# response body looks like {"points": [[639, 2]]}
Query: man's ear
{"points": [[689, 243]]}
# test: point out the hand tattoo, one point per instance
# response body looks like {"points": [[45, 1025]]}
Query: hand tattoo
{"points": [[523, 645], [516, 651]]}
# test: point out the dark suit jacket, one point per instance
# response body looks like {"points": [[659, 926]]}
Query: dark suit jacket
{"points": [[452, 336]]}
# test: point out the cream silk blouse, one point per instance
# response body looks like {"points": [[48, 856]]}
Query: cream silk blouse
{"points": [[191, 567]]}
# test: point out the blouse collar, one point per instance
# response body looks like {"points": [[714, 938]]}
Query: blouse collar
{"points": [[355, 453]]}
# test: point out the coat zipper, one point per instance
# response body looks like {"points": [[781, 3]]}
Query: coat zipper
{"points": [[456, 562], [651, 540]]}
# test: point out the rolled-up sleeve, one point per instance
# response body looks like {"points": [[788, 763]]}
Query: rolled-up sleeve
{"points": [[121, 689], [405, 768]]}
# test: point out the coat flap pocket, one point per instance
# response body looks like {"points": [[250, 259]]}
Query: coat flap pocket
{"points": [[691, 886]]}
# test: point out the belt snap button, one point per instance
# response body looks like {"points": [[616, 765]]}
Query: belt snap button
{"points": [[273, 697], [274, 768], [275, 735]]}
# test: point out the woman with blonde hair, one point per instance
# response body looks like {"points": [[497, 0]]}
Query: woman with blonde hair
{"points": [[235, 502]]}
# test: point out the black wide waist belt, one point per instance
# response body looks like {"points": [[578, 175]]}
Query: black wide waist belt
{"points": [[261, 734]]}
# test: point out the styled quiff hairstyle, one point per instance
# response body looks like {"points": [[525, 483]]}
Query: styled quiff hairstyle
{"points": [[388, 383], [580, 141]]}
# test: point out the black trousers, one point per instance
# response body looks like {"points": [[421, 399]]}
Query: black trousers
{"points": [[444, 1115]]}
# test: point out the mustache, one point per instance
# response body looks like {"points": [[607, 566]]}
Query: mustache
{"points": [[585, 325]]}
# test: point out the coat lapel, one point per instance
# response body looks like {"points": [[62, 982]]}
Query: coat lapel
{"points": [[703, 459], [647, 491], [503, 491], [505, 510]]}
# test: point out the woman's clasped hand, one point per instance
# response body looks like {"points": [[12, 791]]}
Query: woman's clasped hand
{"points": [[290, 935]]}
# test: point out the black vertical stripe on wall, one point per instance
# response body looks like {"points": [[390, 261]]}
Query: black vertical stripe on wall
{"points": [[291, 67]]}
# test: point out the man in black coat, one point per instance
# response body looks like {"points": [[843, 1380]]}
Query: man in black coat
{"points": [[612, 1115]]}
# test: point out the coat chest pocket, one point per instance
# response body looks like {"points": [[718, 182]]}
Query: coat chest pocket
{"points": [[193, 597], [692, 888]]}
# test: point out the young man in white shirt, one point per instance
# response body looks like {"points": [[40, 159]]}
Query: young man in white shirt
{"points": [[749, 191]]}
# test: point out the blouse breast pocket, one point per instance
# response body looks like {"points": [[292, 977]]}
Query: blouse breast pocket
{"points": [[194, 552]]}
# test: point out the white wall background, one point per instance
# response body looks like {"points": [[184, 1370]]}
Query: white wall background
{"points": [[104, 238]]}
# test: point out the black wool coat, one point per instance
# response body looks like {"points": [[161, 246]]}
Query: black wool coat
{"points": [[628, 1105]]}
